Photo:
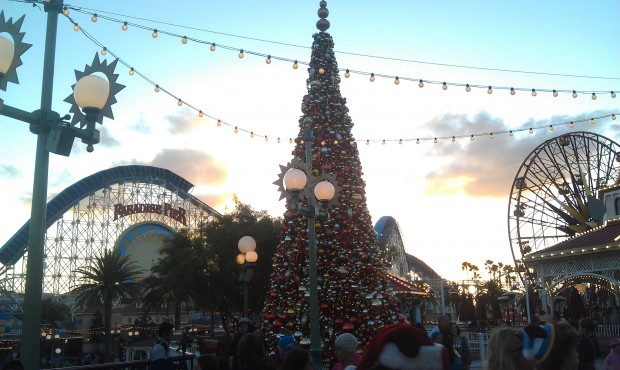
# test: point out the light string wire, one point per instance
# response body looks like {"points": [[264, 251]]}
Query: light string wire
{"points": [[89, 11], [368, 141], [372, 75]]}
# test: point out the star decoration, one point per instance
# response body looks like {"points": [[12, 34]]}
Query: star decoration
{"points": [[13, 29], [108, 71]]}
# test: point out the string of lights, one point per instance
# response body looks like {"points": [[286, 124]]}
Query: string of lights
{"points": [[96, 12], [180, 102], [372, 76]]}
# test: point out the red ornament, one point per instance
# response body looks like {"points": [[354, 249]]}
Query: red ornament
{"points": [[348, 327]]}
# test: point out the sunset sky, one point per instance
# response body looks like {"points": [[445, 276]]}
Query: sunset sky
{"points": [[450, 199]]}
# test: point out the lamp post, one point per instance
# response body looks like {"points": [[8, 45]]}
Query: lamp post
{"points": [[247, 258], [294, 178], [94, 96]]}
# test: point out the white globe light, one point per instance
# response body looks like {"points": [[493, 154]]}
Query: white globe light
{"points": [[324, 190], [246, 244], [295, 179], [251, 257], [57, 350], [7, 51], [91, 92]]}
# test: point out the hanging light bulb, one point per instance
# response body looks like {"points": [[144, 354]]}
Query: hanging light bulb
{"points": [[490, 90], [417, 141], [290, 141], [593, 96], [467, 88], [347, 74], [200, 114], [104, 51], [156, 88], [400, 141], [396, 81], [512, 91], [453, 139], [266, 138], [219, 122], [421, 84], [278, 141], [613, 94], [241, 55], [551, 128], [555, 93], [154, 34], [367, 142], [444, 86], [212, 47], [94, 17], [435, 141], [383, 142], [295, 65], [268, 60], [574, 94], [534, 93], [613, 117], [131, 71], [236, 129], [184, 40], [372, 77], [592, 121], [351, 142], [510, 133], [124, 26], [531, 130], [180, 102], [321, 70], [491, 135], [471, 137], [76, 27], [65, 11], [252, 135], [572, 124]]}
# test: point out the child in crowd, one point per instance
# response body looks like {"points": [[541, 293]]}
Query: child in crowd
{"points": [[612, 362]]}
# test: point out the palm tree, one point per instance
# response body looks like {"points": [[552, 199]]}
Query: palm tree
{"points": [[110, 277]]}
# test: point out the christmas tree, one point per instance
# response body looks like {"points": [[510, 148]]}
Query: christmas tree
{"points": [[352, 269]]}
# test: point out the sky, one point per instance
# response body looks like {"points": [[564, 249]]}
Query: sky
{"points": [[449, 198]]}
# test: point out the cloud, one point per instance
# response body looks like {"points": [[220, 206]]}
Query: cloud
{"points": [[216, 201], [9, 171], [487, 167], [183, 122], [107, 140], [141, 126], [197, 167]]}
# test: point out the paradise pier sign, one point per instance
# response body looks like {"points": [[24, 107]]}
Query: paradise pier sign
{"points": [[178, 214]]}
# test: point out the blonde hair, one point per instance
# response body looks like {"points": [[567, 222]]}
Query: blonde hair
{"points": [[504, 349]]}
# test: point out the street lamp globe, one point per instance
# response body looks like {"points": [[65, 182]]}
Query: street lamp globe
{"points": [[57, 350], [7, 51], [324, 191], [91, 92], [240, 259], [295, 179], [246, 244], [251, 257]]}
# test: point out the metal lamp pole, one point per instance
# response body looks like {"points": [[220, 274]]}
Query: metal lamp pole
{"points": [[247, 258], [295, 181], [95, 97]]}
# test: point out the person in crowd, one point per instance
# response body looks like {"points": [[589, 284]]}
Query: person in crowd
{"points": [[505, 351], [251, 353], [461, 358], [160, 354], [243, 327], [205, 360], [285, 343], [13, 365], [441, 334], [404, 347], [345, 349], [612, 362], [587, 348], [554, 346], [296, 358]]}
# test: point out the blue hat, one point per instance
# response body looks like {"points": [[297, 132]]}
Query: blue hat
{"points": [[538, 341], [285, 341]]}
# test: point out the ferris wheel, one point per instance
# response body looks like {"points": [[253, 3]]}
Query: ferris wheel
{"points": [[553, 195]]}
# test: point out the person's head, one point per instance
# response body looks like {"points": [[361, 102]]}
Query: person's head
{"points": [[553, 345], [285, 343], [443, 321], [297, 359], [614, 345], [345, 347], [165, 331], [250, 349], [505, 351], [454, 329], [587, 324], [244, 325]]}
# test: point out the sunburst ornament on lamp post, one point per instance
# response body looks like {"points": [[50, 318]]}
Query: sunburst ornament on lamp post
{"points": [[11, 51]]}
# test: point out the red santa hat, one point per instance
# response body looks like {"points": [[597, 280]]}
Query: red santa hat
{"points": [[404, 347]]}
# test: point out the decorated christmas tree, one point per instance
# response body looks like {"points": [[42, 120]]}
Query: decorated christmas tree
{"points": [[352, 269]]}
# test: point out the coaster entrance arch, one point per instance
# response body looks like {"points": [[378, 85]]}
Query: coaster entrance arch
{"points": [[130, 207]]}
